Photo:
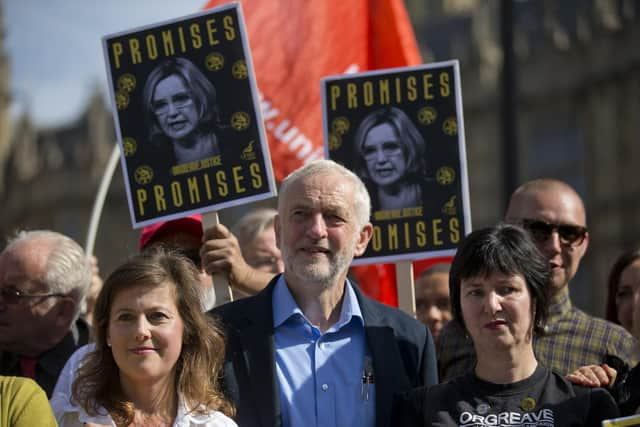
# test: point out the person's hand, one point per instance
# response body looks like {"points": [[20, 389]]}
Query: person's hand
{"points": [[594, 376], [220, 254]]}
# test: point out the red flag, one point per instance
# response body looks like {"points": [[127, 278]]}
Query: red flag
{"points": [[294, 44]]}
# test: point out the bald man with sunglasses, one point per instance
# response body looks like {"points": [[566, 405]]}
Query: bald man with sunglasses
{"points": [[554, 215]]}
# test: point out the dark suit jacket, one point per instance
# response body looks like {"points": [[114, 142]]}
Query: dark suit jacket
{"points": [[50, 363], [401, 347]]}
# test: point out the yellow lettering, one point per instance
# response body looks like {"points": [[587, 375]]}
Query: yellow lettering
{"points": [[398, 88], [407, 236], [436, 228], [161, 203], [393, 236], [445, 90], [334, 90], [237, 178], [176, 194], [142, 199], [367, 87], [196, 40], [134, 47], [376, 239], [167, 43], [207, 186], [383, 87], [421, 233], [152, 47], [352, 100], [211, 30], [412, 93], [427, 85], [229, 29], [454, 230], [194, 190], [256, 180], [223, 187], [117, 50], [183, 44]]}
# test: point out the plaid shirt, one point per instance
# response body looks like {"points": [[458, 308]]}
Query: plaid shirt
{"points": [[572, 339]]}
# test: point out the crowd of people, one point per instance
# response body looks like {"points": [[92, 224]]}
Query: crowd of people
{"points": [[496, 335]]}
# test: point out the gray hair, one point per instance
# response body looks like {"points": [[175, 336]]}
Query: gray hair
{"points": [[68, 270], [362, 201], [252, 224]]}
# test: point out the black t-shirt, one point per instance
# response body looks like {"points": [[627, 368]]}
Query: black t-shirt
{"points": [[545, 399], [627, 389]]}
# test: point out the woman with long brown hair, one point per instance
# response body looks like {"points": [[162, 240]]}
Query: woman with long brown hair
{"points": [[157, 356]]}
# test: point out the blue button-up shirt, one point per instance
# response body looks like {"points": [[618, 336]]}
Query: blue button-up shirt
{"points": [[320, 376]]}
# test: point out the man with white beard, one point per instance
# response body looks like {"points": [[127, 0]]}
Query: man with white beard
{"points": [[311, 349]]}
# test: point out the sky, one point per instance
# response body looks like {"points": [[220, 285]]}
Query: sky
{"points": [[55, 49]]}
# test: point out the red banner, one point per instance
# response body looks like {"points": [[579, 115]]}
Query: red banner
{"points": [[294, 44]]}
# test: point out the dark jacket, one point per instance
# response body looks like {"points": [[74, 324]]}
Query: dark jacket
{"points": [[402, 350]]}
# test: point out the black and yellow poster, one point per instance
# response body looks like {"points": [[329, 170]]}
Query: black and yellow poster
{"points": [[187, 116], [401, 130]]}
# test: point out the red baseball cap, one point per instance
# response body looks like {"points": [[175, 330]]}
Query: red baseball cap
{"points": [[191, 224]]}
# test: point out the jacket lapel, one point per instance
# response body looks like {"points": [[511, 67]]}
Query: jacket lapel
{"points": [[387, 362], [258, 352]]}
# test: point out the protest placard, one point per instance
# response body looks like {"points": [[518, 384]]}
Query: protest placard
{"points": [[187, 116], [401, 130]]}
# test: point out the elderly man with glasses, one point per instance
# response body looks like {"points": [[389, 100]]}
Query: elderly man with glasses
{"points": [[553, 213], [44, 278]]}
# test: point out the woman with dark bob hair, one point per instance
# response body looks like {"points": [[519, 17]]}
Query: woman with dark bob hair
{"points": [[390, 157], [180, 108], [497, 285], [157, 357]]}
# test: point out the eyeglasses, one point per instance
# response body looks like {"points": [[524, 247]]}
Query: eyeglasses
{"points": [[570, 235], [13, 296], [179, 101], [388, 149]]}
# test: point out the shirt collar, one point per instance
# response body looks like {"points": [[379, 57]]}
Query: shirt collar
{"points": [[559, 304], [285, 307]]}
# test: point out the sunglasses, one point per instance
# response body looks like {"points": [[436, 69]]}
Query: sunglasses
{"points": [[13, 296], [570, 235]]}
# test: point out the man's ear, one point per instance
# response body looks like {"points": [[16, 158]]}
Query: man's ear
{"points": [[586, 241], [363, 239], [581, 249]]}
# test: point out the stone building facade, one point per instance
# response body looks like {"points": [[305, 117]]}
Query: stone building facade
{"points": [[578, 80]]}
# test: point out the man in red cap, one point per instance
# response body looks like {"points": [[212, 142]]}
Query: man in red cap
{"points": [[248, 255], [221, 254], [185, 235]]}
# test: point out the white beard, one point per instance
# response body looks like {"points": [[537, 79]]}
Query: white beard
{"points": [[324, 272]]}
